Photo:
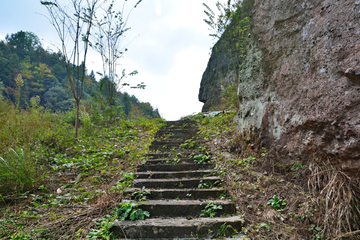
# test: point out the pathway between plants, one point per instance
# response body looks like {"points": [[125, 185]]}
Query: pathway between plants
{"points": [[182, 196]]}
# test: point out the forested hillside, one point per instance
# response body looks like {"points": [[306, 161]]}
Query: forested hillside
{"points": [[27, 70]]}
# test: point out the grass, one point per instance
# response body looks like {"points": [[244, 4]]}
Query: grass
{"points": [[53, 186]]}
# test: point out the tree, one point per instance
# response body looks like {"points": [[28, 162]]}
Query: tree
{"points": [[107, 41], [23, 43], [73, 25]]}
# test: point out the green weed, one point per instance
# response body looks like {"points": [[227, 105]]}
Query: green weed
{"points": [[210, 210], [277, 203], [131, 211], [201, 159]]}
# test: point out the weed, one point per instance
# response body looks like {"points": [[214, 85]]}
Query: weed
{"points": [[102, 228], [188, 144], [201, 159], [131, 211], [277, 203], [210, 210], [17, 170], [225, 227], [141, 194], [203, 184]]}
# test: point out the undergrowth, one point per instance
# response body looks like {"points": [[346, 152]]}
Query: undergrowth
{"points": [[53, 186], [298, 199]]}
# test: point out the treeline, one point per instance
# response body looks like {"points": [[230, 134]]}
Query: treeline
{"points": [[29, 71]]}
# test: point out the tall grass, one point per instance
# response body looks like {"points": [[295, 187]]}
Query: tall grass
{"points": [[20, 133], [338, 194], [17, 172]]}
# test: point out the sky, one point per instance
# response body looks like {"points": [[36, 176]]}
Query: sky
{"points": [[168, 44]]}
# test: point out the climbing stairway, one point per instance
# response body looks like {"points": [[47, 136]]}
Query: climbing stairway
{"points": [[176, 201]]}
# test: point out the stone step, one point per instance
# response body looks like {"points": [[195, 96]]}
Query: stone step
{"points": [[177, 174], [165, 146], [171, 134], [166, 154], [207, 182], [183, 124], [175, 228], [184, 208], [169, 161], [183, 194], [174, 167]]}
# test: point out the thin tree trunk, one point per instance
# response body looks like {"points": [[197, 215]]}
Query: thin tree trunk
{"points": [[77, 118]]}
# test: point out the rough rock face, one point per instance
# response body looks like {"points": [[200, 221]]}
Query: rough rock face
{"points": [[218, 74], [299, 86]]}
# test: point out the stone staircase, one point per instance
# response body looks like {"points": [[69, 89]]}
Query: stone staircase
{"points": [[176, 202]]}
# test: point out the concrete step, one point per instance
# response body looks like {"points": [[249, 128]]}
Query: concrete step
{"points": [[174, 167], [168, 145], [180, 124], [182, 194], [166, 154], [177, 174], [169, 161], [184, 208], [176, 228], [207, 182], [171, 134]]}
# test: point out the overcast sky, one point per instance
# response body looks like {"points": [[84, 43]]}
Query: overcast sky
{"points": [[170, 47]]}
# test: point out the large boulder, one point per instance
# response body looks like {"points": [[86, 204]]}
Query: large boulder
{"points": [[299, 86]]}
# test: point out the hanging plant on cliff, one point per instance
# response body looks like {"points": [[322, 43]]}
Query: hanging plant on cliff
{"points": [[231, 25]]}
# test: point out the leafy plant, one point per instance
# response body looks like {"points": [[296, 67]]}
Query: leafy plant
{"points": [[203, 184], [131, 211], [188, 144], [210, 210], [102, 228], [141, 194], [277, 203], [201, 159], [224, 227]]}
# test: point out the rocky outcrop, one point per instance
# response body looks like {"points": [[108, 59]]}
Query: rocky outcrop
{"points": [[299, 86], [218, 75]]}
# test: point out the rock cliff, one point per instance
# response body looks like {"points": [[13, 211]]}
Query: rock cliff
{"points": [[218, 75], [299, 87]]}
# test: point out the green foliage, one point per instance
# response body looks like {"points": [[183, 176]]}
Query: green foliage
{"points": [[140, 194], [201, 159], [223, 229], [188, 144], [203, 184], [210, 210], [131, 211], [17, 171], [277, 203], [215, 126], [102, 228]]}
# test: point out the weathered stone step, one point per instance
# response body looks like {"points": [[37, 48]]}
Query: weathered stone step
{"points": [[169, 161], [174, 228], [182, 134], [163, 146], [171, 155], [174, 167], [207, 182], [180, 174], [188, 194], [180, 124], [185, 208]]}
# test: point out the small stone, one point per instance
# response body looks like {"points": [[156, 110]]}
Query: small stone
{"points": [[334, 123]]}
